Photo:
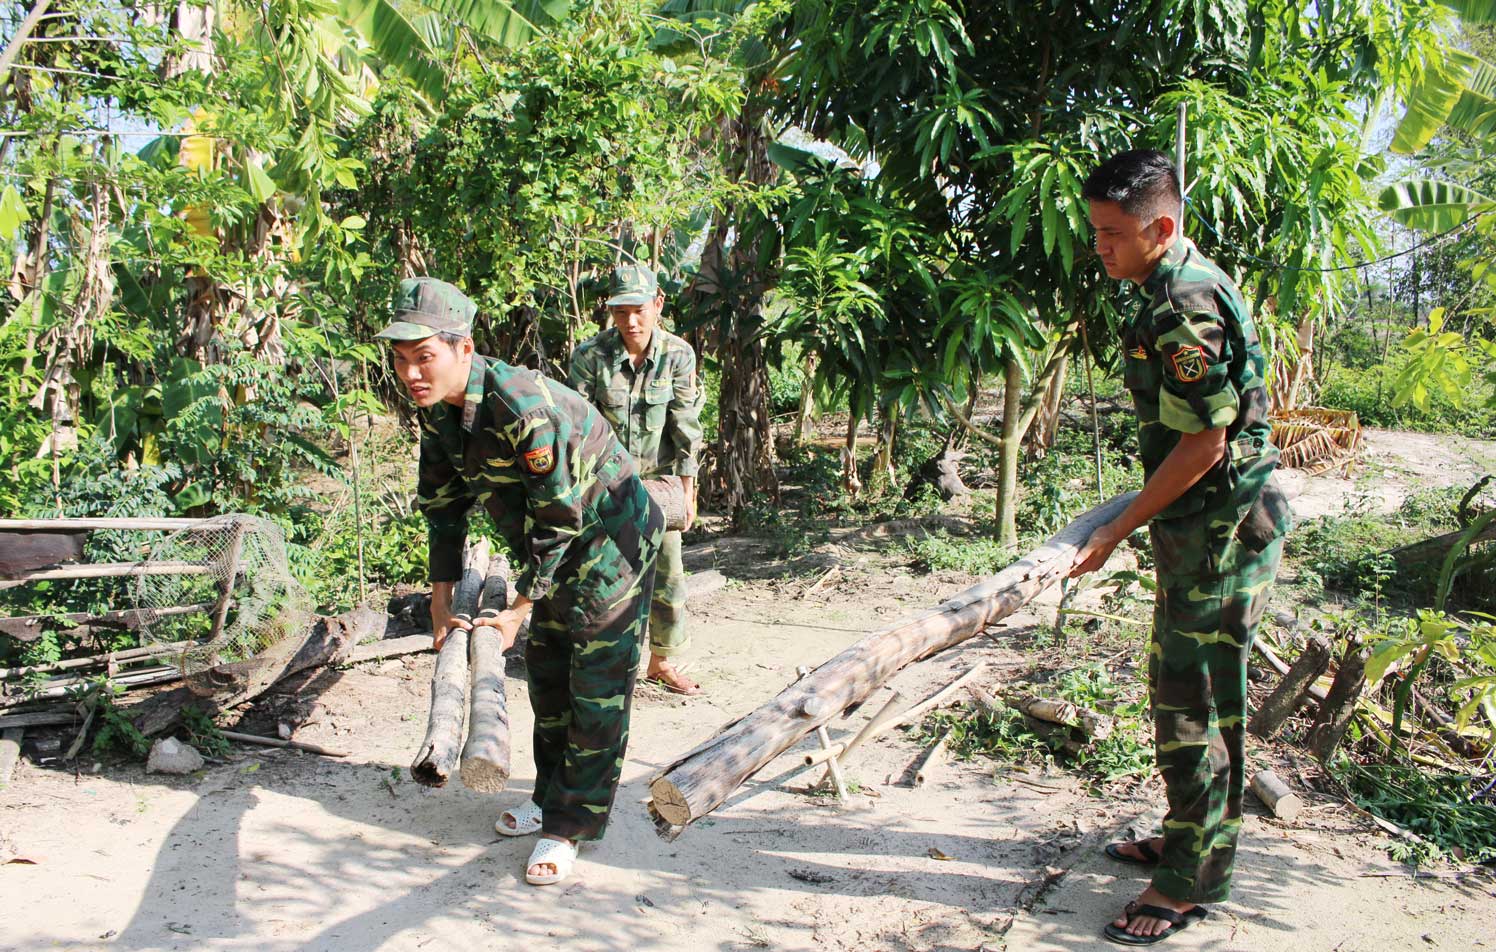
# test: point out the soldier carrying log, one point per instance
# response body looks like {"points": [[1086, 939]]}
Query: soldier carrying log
{"points": [[565, 495], [1195, 368], [643, 379]]}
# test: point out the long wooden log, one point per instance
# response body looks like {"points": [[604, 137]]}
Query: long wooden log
{"points": [[107, 570], [31, 627], [668, 493], [1291, 691], [703, 779], [485, 756], [441, 750]]}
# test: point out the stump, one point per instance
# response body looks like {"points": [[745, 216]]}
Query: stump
{"points": [[1339, 706], [1290, 693]]}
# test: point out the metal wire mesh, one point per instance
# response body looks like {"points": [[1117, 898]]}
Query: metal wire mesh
{"points": [[233, 579]]}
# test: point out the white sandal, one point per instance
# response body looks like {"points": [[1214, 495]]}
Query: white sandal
{"points": [[559, 854], [526, 819]]}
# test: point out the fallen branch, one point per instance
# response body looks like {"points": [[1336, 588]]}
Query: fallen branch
{"points": [[698, 783], [277, 742]]}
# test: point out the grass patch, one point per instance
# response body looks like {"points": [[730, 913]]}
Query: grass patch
{"points": [[1453, 813], [943, 552]]}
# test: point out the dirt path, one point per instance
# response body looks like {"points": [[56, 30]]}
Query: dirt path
{"points": [[280, 851]]}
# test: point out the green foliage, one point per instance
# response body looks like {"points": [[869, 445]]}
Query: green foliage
{"points": [[1369, 392], [944, 552], [204, 733], [1006, 736], [1453, 813], [116, 733]]}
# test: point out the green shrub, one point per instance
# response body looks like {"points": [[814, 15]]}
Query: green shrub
{"points": [[1369, 393]]}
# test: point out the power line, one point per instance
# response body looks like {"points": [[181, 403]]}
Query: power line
{"points": [[1279, 266]]}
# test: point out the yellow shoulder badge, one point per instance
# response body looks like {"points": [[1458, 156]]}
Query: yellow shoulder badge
{"points": [[1139, 352]]}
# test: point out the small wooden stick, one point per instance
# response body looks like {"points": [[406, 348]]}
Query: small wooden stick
{"points": [[833, 769], [874, 726], [277, 742], [932, 759], [939, 697]]}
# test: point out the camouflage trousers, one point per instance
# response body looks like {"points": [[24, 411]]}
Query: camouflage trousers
{"points": [[581, 660], [667, 612], [1211, 595]]}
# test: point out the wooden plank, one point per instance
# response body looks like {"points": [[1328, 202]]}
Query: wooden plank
{"points": [[38, 719], [30, 627]]}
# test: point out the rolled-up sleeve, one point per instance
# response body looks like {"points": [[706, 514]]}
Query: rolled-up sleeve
{"points": [[1195, 354], [442, 497], [554, 509]]}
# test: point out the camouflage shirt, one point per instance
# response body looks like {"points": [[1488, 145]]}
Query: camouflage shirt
{"points": [[1194, 362], [655, 409], [537, 456]]}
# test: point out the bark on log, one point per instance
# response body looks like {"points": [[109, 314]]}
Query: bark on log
{"points": [[1437, 547], [441, 751], [1291, 691], [1339, 705], [702, 780], [1282, 802], [668, 493], [485, 757]]}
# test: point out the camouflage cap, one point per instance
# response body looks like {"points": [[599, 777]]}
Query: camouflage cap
{"points": [[426, 306], [632, 284]]}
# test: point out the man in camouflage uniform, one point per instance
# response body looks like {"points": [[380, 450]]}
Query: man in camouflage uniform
{"points": [[565, 496], [643, 379], [1196, 370]]}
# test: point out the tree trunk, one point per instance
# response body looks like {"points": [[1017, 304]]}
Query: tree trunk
{"points": [[1042, 433], [704, 778], [1007, 457], [805, 419], [1290, 693], [730, 285], [850, 481], [1339, 706], [883, 475]]}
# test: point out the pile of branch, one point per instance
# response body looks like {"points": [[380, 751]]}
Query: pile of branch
{"points": [[702, 779], [1317, 440]]}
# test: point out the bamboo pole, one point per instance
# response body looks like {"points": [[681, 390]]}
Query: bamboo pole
{"points": [[933, 758], [699, 782], [122, 524], [108, 570]]}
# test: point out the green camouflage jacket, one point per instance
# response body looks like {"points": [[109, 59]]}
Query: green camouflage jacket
{"points": [[537, 456], [1194, 362], [655, 410]]}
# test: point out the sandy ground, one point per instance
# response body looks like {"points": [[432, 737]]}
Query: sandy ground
{"points": [[279, 850]]}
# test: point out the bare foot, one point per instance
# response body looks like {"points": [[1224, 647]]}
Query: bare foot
{"points": [[547, 869], [662, 672], [1141, 925]]}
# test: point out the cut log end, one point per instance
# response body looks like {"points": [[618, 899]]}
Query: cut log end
{"points": [[429, 772], [484, 776], [670, 803]]}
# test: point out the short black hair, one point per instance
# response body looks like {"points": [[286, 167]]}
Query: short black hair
{"points": [[452, 340], [1142, 181]]}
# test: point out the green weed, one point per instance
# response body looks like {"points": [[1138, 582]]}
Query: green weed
{"points": [[943, 552]]}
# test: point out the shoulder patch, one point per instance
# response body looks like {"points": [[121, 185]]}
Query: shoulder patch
{"points": [[1189, 363], [1138, 353], [540, 460]]}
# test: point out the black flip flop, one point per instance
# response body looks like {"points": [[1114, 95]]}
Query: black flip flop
{"points": [[1149, 854], [1178, 922]]}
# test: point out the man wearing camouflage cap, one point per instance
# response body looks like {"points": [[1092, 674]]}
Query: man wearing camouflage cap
{"points": [[565, 495], [643, 379], [1196, 370]]}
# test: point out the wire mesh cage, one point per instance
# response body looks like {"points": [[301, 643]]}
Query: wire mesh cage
{"points": [[223, 593]]}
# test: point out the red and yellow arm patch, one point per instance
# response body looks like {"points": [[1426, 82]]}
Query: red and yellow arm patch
{"points": [[1189, 363], [540, 461]]}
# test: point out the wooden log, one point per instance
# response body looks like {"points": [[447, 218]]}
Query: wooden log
{"points": [[1282, 802], [1292, 690], [668, 493], [1437, 547], [107, 570], [932, 759], [1339, 705], [10, 752], [31, 627], [329, 641], [441, 750], [703, 779], [38, 719], [882, 725], [391, 648], [485, 756], [62, 687], [83, 525], [1088, 723], [22, 552], [278, 742]]}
